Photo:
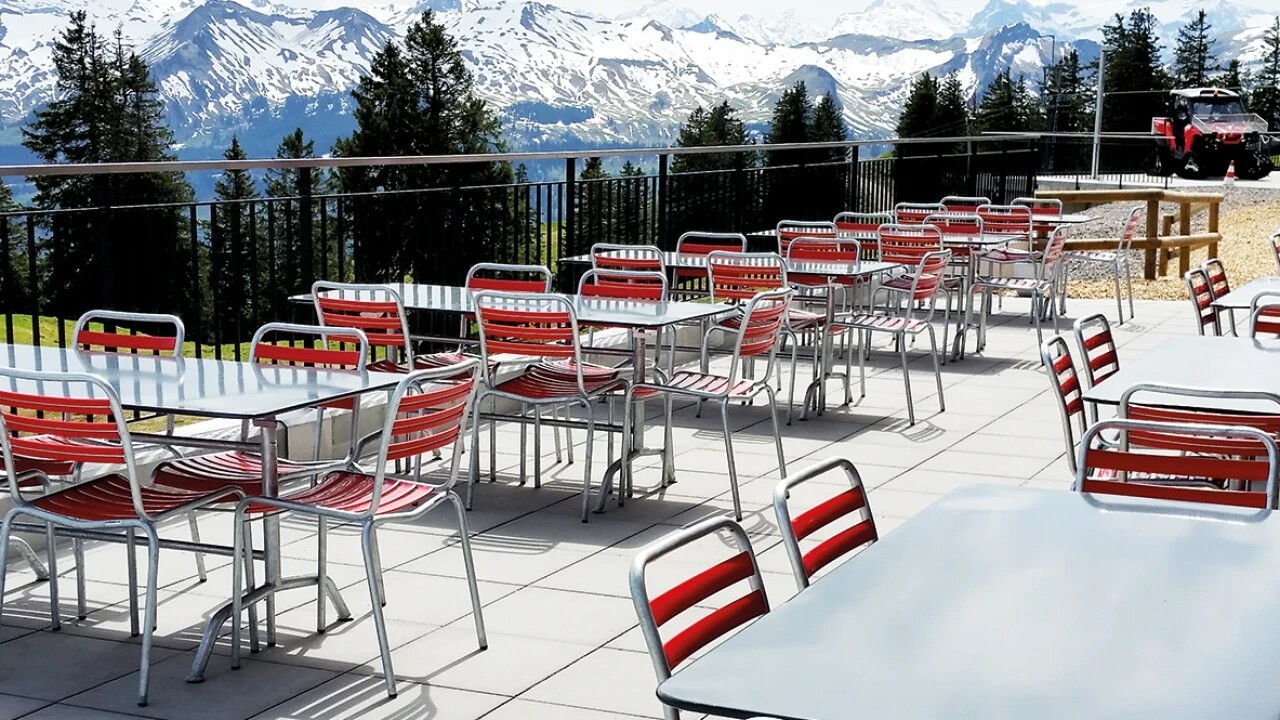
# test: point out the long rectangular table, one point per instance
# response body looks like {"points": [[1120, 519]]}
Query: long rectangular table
{"points": [[1223, 363], [207, 388], [1242, 297], [1012, 603]]}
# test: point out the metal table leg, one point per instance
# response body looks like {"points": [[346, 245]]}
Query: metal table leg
{"points": [[632, 447]]}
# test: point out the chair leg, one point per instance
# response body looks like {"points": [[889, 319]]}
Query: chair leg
{"points": [[195, 538], [777, 434], [239, 553], [149, 613], [537, 446], [791, 393], [586, 475], [1128, 281], [524, 447], [131, 551], [255, 645], [906, 377], [474, 475], [728, 449], [377, 563], [555, 435], [1119, 300], [937, 370], [31, 559], [469, 562], [6, 532], [668, 449], [493, 442], [55, 612], [82, 590], [322, 563], [372, 572]]}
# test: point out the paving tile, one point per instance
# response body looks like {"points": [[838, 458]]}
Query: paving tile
{"points": [[15, 706], [988, 464], [581, 681], [519, 709], [242, 693], [365, 697], [563, 616], [900, 503], [426, 599], [37, 665], [450, 657], [938, 482], [72, 712]]}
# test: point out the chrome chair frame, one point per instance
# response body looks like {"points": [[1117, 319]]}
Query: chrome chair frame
{"points": [[782, 493], [1208, 267], [1081, 330], [1259, 305], [1120, 261], [1201, 315], [665, 546], [1048, 264], [1067, 391]]}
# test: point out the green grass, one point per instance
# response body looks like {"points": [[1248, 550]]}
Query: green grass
{"points": [[24, 334]]}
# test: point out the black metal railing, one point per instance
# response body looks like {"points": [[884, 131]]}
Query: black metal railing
{"points": [[226, 267]]}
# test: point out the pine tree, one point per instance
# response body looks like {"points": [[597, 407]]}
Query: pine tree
{"points": [[1068, 97], [827, 125], [790, 124], [1266, 92], [106, 108], [918, 116], [235, 246], [419, 99], [1135, 82], [14, 275], [283, 182], [1233, 77], [951, 112], [719, 126], [1193, 58], [1007, 106]]}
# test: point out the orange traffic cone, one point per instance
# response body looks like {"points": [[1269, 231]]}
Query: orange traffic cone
{"points": [[1230, 179]]}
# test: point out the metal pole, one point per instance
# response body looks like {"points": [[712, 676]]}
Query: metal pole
{"points": [[1097, 114]]}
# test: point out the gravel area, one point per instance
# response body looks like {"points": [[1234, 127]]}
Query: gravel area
{"points": [[1248, 218]]}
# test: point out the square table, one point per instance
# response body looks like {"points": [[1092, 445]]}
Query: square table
{"points": [[1201, 361], [1017, 603], [207, 388]]}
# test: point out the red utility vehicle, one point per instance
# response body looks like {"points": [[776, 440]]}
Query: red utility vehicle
{"points": [[1206, 130]]}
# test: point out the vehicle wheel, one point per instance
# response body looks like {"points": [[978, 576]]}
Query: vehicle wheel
{"points": [[1191, 168], [1255, 168], [1158, 163]]}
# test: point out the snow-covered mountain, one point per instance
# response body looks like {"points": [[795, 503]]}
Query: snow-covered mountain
{"points": [[561, 78]]}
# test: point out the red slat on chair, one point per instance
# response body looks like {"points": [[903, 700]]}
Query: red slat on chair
{"points": [[273, 353], [380, 320], [116, 341], [846, 503], [838, 545], [57, 438], [537, 333], [1189, 466], [700, 587], [907, 245], [1233, 498], [1011, 220], [701, 633], [507, 284], [742, 279]]}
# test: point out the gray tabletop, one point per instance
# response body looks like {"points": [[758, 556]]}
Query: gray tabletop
{"points": [[199, 387], [1242, 297], [865, 268], [589, 310], [1222, 363], [1001, 602]]}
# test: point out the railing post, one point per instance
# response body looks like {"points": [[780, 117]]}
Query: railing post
{"points": [[852, 190], [305, 228], [569, 228], [106, 260], [664, 180]]}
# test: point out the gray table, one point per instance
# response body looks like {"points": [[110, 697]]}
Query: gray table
{"points": [[1001, 602], [203, 387], [833, 270], [1222, 363], [1242, 297]]}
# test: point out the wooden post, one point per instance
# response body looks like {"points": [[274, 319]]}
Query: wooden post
{"points": [[1214, 208], [1149, 256], [1184, 260]]}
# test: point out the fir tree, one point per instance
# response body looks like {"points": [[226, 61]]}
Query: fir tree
{"points": [[106, 108], [1266, 92], [235, 246], [419, 99], [951, 112], [703, 128], [1135, 82], [283, 182], [1007, 106], [1068, 96], [14, 285], [1233, 77], [919, 114], [1193, 58], [827, 125], [790, 124]]}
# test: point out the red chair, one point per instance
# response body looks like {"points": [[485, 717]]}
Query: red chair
{"points": [[427, 412], [963, 205], [694, 247], [1011, 221], [84, 412], [375, 310], [861, 226], [789, 230], [926, 283], [641, 285], [1202, 301], [635, 258], [758, 334], [851, 508], [1219, 286], [1275, 249], [655, 612], [1264, 315], [1098, 350], [737, 278], [1045, 267], [843, 251], [1118, 260], [915, 213], [1064, 381], [539, 328], [1240, 455]]}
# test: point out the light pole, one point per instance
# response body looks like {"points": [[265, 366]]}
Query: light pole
{"points": [[1097, 114]]}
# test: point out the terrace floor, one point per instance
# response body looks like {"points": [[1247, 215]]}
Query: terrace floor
{"points": [[564, 642]]}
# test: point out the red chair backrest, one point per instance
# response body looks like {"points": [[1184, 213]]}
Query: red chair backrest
{"points": [[338, 348], [169, 342], [1064, 381], [526, 324], [1202, 300], [930, 274], [956, 223], [647, 258], [789, 230], [851, 503], [738, 277], [57, 416], [375, 310], [658, 611], [623, 285], [509, 278], [1275, 249], [861, 225], [1011, 220], [1264, 314], [1101, 361], [1130, 229], [762, 323], [700, 243], [962, 204], [907, 244], [915, 213], [1171, 449], [1217, 273], [821, 250], [430, 416]]}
